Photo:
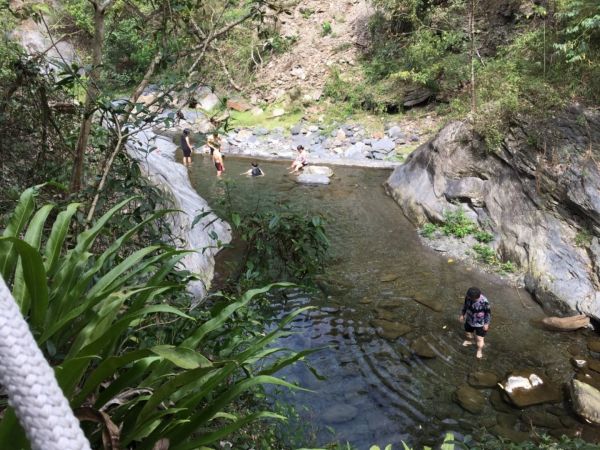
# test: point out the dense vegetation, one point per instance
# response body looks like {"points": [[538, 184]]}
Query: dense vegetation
{"points": [[527, 58]]}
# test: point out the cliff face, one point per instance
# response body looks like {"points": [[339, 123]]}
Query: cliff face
{"points": [[541, 199]]}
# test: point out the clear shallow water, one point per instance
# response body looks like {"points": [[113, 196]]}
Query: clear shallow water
{"points": [[377, 392]]}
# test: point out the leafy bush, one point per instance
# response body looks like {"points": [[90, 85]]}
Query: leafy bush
{"points": [[457, 224], [93, 314], [428, 230], [326, 28], [485, 253], [484, 237]]}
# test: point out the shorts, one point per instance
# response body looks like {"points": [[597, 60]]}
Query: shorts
{"points": [[479, 331], [219, 167], [187, 153]]}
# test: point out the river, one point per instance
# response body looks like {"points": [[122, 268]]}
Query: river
{"points": [[377, 391]]}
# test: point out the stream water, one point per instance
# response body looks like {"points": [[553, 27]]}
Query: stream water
{"points": [[377, 391]]}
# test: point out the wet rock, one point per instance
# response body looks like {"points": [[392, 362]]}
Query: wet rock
{"points": [[578, 361], [594, 365], [339, 413], [526, 388], [318, 170], [566, 323], [306, 178], [482, 379], [593, 345], [422, 348], [541, 419], [471, 400], [389, 277], [585, 400], [506, 420], [366, 301], [589, 377], [390, 330], [435, 305], [500, 404]]}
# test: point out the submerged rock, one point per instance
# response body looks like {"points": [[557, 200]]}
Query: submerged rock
{"points": [[470, 399], [593, 345], [390, 330], [389, 277], [525, 388], [483, 379], [422, 348], [339, 413], [586, 401], [566, 323], [541, 419], [435, 305], [318, 170]]}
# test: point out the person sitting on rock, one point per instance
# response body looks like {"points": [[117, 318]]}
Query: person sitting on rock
{"points": [[476, 314], [300, 161], [254, 171]]}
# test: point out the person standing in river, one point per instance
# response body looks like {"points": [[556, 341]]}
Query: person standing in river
{"points": [[218, 160], [476, 315], [186, 146]]}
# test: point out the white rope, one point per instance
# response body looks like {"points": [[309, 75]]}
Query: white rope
{"points": [[33, 392]]}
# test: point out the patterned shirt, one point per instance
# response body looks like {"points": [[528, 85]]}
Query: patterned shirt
{"points": [[477, 312]]}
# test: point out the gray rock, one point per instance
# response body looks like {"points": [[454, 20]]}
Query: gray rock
{"points": [[296, 129], [356, 151], [318, 170], [305, 178], [209, 102], [471, 400], [260, 131], [586, 401], [532, 221], [395, 132], [414, 138], [384, 145]]}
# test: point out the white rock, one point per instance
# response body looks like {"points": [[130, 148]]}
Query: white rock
{"points": [[209, 102], [318, 170], [307, 178], [277, 112]]}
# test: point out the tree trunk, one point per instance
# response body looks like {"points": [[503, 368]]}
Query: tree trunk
{"points": [[90, 95], [472, 58]]}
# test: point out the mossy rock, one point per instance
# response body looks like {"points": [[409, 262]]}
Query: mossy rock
{"points": [[483, 379]]}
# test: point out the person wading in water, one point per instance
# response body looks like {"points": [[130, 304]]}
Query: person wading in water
{"points": [[476, 315], [186, 146]]}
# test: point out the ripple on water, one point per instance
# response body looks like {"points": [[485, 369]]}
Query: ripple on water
{"points": [[397, 395]]}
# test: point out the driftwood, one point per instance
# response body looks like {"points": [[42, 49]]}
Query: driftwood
{"points": [[566, 323]]}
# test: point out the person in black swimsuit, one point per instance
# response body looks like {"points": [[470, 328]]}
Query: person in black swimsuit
{"points": [[186, 146], [255, 171]]}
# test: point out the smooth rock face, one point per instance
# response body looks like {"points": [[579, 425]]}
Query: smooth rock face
{"points": [[470, 399], [161, 168], [308, 178], [525, 388], [318, 170], [586, 401], [529, 204]]}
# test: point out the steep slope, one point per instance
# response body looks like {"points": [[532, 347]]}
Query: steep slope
{"points": [[326, 33]]}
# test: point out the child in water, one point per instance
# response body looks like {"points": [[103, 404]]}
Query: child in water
{"points": [[255, 171], [186, 146], [476, 315], [300, 161]]}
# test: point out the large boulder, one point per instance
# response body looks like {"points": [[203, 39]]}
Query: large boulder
{"points": [[209, 101], [586, 401], [470, 399], [318, 170], [536, 204], [309, 178]]}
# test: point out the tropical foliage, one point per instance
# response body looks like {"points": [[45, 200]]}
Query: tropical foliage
{"points": [[96, 314]]}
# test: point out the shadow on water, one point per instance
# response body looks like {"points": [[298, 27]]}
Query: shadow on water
{"points": [[377, 390]]}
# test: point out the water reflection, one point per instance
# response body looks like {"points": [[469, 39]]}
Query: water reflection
{"points": [[378, 391]]}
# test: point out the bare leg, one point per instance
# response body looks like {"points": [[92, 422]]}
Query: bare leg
{"points": [[468, 339], [480, 344]]}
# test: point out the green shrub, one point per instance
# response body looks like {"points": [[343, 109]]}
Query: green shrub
{"points": [[428, 230], [583, 238], [485, 253], [483, 237], [93, 314], [457, 224], [507, 267], [326, 28]]}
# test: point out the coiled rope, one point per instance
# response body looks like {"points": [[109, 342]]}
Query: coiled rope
{"points": [[33, 392]]}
